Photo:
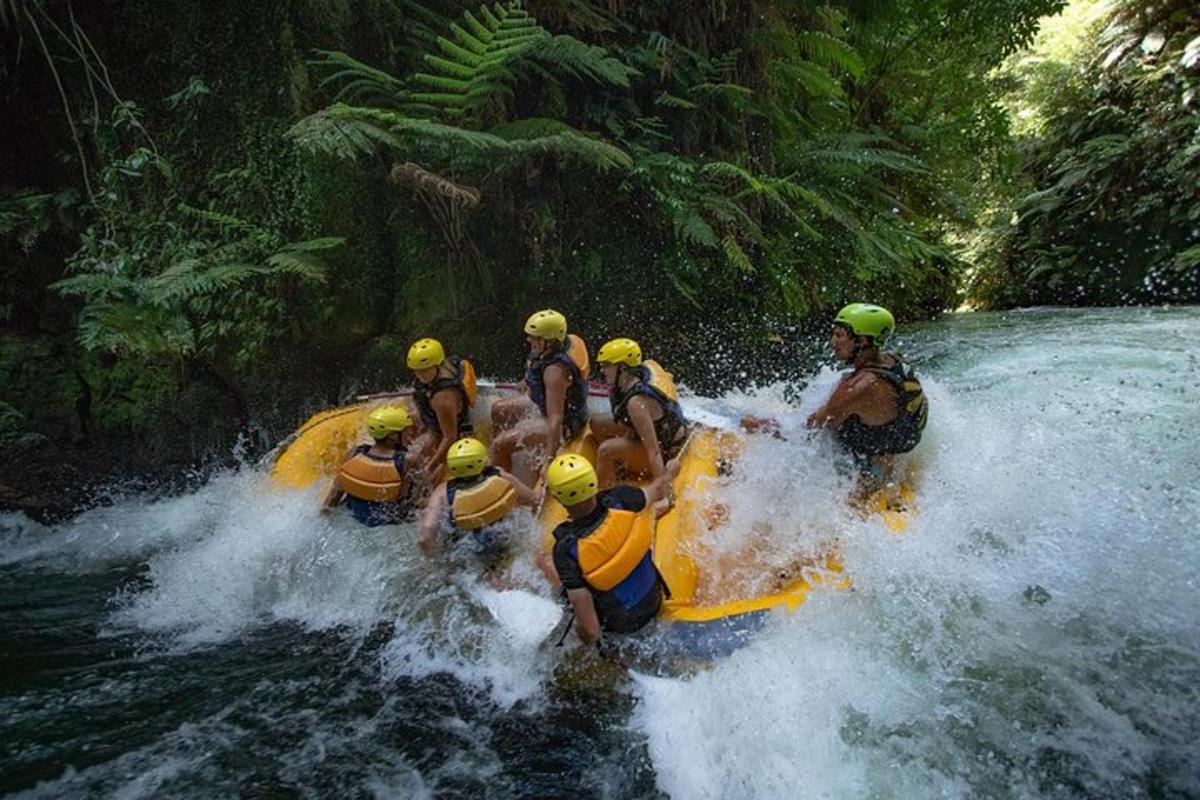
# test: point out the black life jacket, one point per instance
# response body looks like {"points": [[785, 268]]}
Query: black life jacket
{"points": [[575, 412], [424, 392], [650, 384], [900, 434]]}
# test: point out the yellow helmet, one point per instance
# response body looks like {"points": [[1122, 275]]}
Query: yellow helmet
{"points": [[467, 458], [388, 419], [548, 324], [426, 353], [620, 351], [572, 479]]}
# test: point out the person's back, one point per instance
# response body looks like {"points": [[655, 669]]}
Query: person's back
{"points": [[607, 552], [602, 557], [892, 416], [372, 480], [475, 502]]}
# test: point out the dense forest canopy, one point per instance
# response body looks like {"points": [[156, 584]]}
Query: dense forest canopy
{"points": [[214, 217]]}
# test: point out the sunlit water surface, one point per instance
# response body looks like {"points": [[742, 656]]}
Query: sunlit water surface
{"points": [[1033, 634]]}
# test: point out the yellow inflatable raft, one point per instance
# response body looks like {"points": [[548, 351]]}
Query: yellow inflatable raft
{"points": [[697, 594]]}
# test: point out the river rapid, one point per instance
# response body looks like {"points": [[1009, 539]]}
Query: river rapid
{"points": [[1032, 634]]}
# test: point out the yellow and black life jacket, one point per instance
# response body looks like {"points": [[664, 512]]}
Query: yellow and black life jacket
{"points": [[900, 434], [462, 379], [659, 385], [479, 501], [574, 356], [613, 552], [376, 479]]}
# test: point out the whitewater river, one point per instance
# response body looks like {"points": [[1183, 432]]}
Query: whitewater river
{"points": [[1033, 634]]}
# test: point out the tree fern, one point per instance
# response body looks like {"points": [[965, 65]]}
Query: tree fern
{"points": [[571, 56], [357, 82], [830, 52], [737, 257]]}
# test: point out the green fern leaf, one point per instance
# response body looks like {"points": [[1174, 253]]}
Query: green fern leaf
{"points": [[736, 255], [825, 50], [576, 58], [671, 101]]}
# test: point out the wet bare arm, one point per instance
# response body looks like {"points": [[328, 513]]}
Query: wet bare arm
{"points": [[657, 489], [446, 404], [585, 614], [431, 518], [848, 395], [639, 415], [557, 381]]}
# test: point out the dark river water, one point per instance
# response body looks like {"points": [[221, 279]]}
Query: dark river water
{"points": [[1033, 634]]}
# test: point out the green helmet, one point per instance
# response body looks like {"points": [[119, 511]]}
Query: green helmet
{"points": [[864, 319]]}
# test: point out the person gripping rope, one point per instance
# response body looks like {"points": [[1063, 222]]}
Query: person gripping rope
{"points": [[474, 501], [373, 479]]}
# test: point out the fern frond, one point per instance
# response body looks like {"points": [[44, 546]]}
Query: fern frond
{"points": [[736, 255], [553, 138], [569, 55], [866, 157], [324, 132], [814, 79], [671, 101], [102, 285], [829, 52], [1187, 259], [724, 66], [691, 227], [314, 245], [297, 263], [398, 125], [359, 82]]}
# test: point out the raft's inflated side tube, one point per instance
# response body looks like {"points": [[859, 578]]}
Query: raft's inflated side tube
{"points": [[609, 554], [372, 479], [488, 501]]}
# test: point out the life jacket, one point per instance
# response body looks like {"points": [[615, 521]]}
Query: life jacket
{"points": [[481, 500], [574, 357], [615, 557], [376, 479], [463, 381], [900, 434], [659, 385]]}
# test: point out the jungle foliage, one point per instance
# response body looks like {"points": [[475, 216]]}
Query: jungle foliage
{"points": [[1105, 208], [257, 213]]}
